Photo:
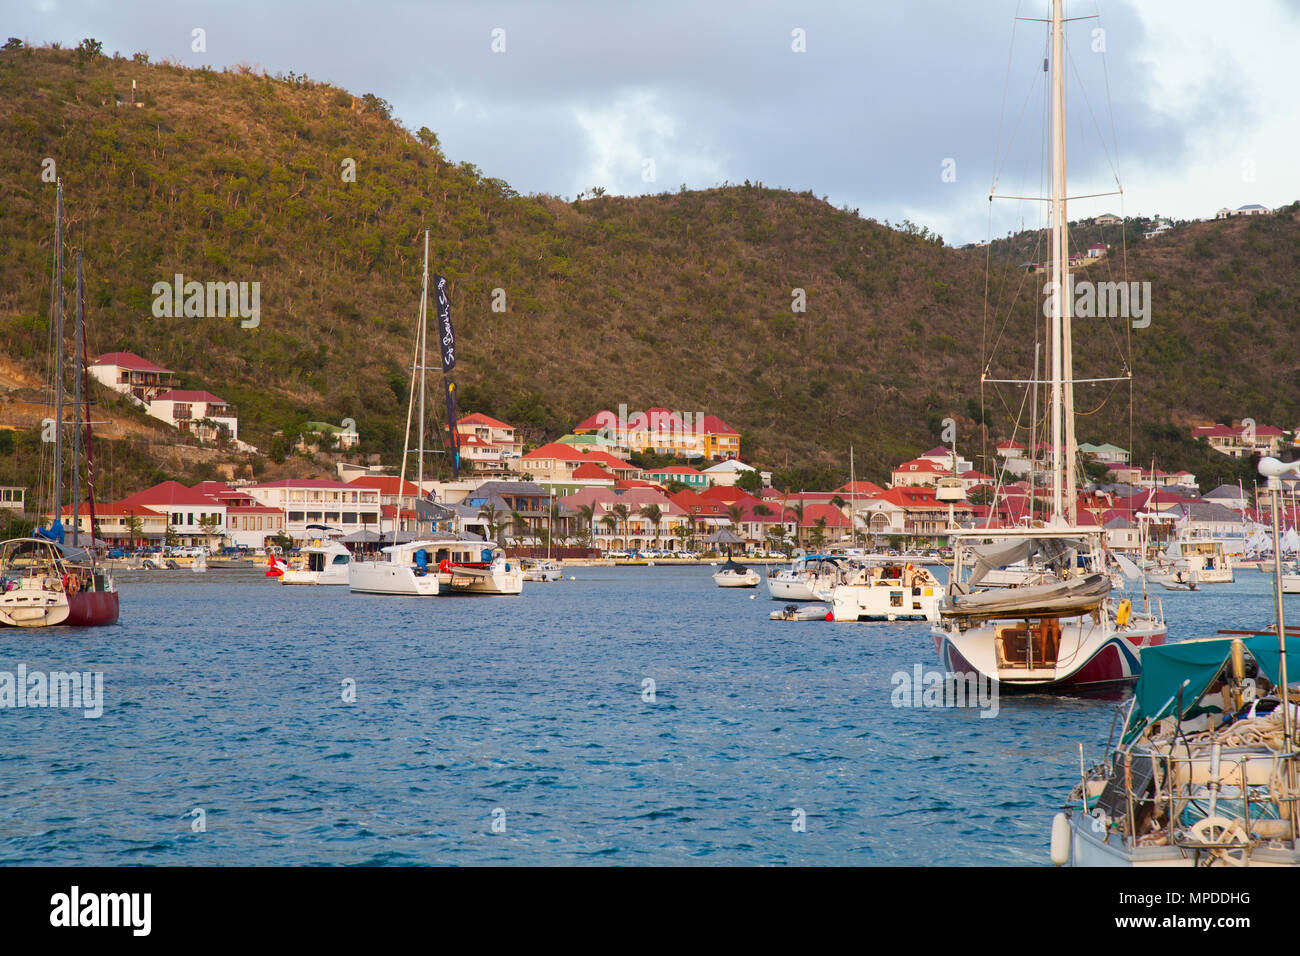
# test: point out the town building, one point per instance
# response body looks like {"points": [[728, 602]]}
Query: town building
{"points": [[199, 413], [1242, 440], [128, 374], [305, 501], [556, 462], [490, 445]]}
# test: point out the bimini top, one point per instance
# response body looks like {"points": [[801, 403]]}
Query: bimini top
{"points": [[1167, 667]]}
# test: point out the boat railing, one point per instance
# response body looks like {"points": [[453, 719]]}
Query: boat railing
{"points": [[1250, 794]]}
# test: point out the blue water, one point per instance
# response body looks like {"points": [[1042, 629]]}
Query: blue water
{"points": [[224, 691]]}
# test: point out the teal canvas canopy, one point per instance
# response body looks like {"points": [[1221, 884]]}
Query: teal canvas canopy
{"points": [[1166, 666]]}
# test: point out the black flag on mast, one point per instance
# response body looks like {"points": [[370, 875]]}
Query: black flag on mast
{"points": [[445, 333]]}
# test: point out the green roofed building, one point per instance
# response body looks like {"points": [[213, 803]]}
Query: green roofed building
{"points": [[1106, 452]]}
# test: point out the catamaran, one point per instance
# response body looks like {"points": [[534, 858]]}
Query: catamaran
{"points": [[1070, 630], [43, 580]]}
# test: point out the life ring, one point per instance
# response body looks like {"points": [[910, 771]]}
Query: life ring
{"points": [[1123, 612], [445, 566]]}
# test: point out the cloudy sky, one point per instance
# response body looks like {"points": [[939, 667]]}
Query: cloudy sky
{"points": [[866, 102]]}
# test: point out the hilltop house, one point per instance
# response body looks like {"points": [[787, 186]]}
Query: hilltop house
{"points": [[1241, 441], [199, 413], [1250, 209], [128, 374], [332, 436]]}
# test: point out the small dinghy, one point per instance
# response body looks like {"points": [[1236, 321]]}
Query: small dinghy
{"points": [[798, 612]]}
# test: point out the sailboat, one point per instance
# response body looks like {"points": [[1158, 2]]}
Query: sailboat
{"points": [[1205, 772], [431, 566], [46, 580], [1070, 630]]}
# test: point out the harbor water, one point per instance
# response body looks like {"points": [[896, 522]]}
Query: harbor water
{"points": [[630, 716]]}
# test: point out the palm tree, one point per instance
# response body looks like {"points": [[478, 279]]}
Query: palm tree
{"points": [[621, 511], [818, 536], [586, 517], [519, 525], [735, 513], [776, 538], [610, 523], [797, 508], [654, 514], [489, 515]]}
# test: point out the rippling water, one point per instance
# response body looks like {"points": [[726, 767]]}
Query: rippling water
{"points": [[224, 691]]}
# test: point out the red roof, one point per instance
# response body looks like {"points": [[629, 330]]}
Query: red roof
{"points": [[564, 452], [833, 516], [729, 495], [920, 466], [860, 488], [170, 493], [175, 395], [478, 418], [589, 470], [634, 483], [691, 502], [129, 360], [1007, 445]]}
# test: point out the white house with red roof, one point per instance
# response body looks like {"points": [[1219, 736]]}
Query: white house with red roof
{"points": [[307, 501], [1243, 439], [129, 374], [491, 444], [192, 517], [911, 510], [248, 522], [919, 472], [199, 413]]}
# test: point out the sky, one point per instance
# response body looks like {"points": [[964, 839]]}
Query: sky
{"points": [[901, 110]]}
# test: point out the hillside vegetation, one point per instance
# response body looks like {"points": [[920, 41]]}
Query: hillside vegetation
{"points": [[681, 299]]}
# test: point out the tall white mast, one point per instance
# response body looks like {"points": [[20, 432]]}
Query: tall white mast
{"points": [[1062, 366], [424, 327]]}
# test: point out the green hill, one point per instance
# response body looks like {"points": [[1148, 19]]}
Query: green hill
{"points": [[681, 299]]}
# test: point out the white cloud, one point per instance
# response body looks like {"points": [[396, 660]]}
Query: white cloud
{"points": [[633, 129]]}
